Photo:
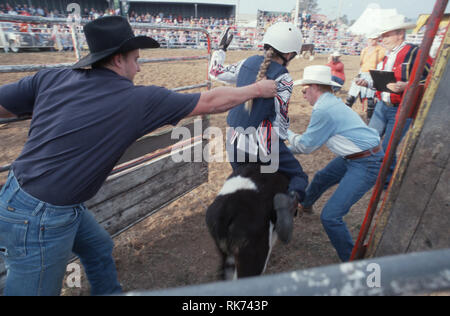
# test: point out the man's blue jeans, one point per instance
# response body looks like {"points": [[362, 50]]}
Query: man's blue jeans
{"points": [[355, 178], [337, 80], [37, 240], [383, 120]]}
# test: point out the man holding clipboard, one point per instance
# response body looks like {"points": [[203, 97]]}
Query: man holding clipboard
{"points": [[381, 80], [391, 78]]}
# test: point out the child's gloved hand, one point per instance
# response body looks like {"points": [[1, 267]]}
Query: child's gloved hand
{"points": [[225, 40]]}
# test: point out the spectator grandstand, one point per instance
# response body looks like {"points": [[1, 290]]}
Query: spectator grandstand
{"points": [[326, 35]]}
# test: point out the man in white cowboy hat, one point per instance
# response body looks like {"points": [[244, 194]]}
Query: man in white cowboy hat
{"points": [[371, 56], [400, 58], [337, 69], [356, 145], [83, 121]]}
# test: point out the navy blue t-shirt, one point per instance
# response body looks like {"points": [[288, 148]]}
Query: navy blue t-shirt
{"points": [[83, 121]]}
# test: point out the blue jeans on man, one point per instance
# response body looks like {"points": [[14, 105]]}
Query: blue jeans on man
{"points": [[37, 240], [383, 120], [355, 178], [337, 80]]}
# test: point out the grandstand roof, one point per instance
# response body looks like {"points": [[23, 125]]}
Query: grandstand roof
{"points": [[217, 2]]}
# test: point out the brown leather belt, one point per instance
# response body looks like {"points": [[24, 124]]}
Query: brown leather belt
{"points": [[365, 153], [392, 104]]}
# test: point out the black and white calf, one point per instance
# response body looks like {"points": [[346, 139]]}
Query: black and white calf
{"points": [[244, 222]]}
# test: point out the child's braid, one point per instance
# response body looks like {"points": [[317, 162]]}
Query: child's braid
{"points": [[262, 74]]}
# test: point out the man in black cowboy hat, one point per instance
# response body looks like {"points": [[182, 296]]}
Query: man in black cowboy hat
{"points": [[83, 121]]}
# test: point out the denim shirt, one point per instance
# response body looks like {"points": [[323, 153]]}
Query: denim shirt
{"points": [[336, 125]]}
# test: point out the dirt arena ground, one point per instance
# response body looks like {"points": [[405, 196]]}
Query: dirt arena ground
{"points": [[173, 248]]}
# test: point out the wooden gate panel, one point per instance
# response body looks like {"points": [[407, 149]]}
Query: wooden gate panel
{"points": [[433, 230]]}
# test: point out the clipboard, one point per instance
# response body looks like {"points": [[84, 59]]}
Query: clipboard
{"points": [[381, 78]]}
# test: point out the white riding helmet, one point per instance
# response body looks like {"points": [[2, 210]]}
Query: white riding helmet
{"points": [[284, 37]]}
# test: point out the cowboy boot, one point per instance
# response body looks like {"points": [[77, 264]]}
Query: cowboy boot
{"points": [[286, 207], [225, 40], [350, 100], [370, 108]]}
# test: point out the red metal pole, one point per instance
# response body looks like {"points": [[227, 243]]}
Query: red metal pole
{"points": [[209, 60], [405, 108]]}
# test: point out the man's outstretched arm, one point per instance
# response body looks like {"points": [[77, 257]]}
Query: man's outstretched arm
{"points": [[222, 99]]}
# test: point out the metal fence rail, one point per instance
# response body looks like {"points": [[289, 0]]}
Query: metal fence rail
{"points": [[35, 19], [410, 274], [34, 68]]}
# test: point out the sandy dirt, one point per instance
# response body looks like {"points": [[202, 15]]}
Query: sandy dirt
{"points": [[173, 248]]}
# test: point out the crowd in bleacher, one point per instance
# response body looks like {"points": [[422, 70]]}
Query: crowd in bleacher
{"points": [[325, 35], [23, 9]]}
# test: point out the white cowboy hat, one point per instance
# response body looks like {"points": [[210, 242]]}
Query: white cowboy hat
{"points": [[336, 54], [317, 74], [393, 23], [374, 35]]}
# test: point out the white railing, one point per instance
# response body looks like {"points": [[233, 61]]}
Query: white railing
{"points": [[416, 39]]}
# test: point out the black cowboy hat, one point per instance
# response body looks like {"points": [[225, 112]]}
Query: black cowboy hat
{"points": [[110, 35]]}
